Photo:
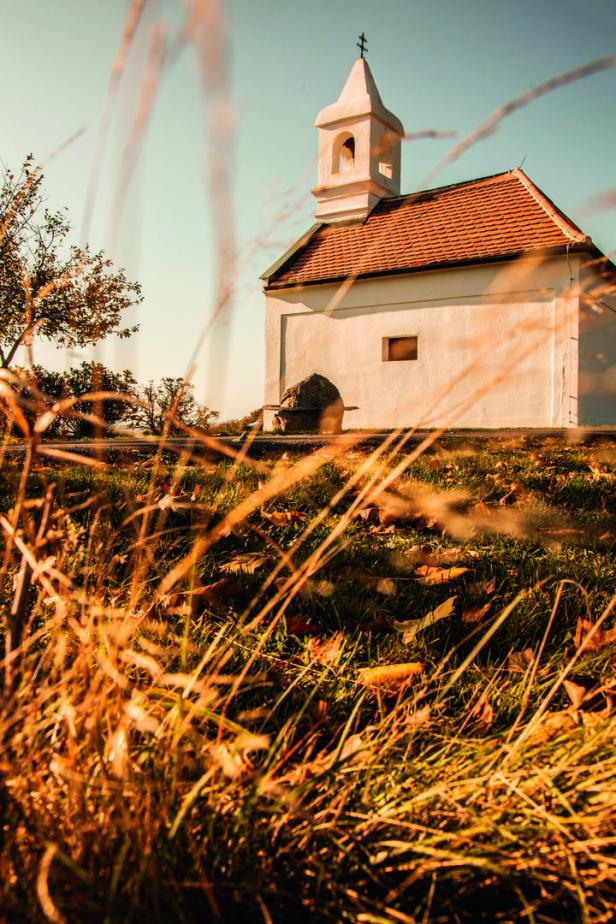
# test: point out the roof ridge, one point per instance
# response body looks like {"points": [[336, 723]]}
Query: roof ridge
{"points": [[559, 218], [460, 183]]}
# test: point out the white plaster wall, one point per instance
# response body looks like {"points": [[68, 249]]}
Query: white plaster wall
{"points": [[597, 354], [496, 345]]}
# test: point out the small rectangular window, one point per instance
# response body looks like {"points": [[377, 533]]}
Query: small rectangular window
{"points": [[397, 349]]}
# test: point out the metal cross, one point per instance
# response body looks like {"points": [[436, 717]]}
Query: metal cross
{"points": [[362, 44]]}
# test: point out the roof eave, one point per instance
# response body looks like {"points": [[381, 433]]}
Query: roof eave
{"points": [[291, 252], [582, 246]]}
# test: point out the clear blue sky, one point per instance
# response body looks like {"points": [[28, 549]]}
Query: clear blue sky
{"points": [[439, 64]]}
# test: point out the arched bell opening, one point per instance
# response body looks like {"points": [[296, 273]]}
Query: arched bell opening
{"points": [[343, 154]]}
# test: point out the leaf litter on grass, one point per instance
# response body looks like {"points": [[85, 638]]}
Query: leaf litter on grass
{"points": [[345, 729]]}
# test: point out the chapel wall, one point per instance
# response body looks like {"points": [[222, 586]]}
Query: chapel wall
{"points": [[495, 345]]}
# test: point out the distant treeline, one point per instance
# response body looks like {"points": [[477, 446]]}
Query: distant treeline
{"points": [[167, 403]]}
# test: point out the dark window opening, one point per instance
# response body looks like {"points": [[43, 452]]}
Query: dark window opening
{"points": [[348, 149], [398, 349], [343, 154]]}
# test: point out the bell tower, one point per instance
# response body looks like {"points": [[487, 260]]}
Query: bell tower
{"points": [[359, 150]]}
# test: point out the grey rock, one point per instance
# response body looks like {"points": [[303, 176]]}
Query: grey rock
{"points": [[312, 404]]}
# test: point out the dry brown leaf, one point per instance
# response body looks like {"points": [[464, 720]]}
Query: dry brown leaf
{"points": [[476, 613], [369, 513], [576, 693], [410, 558], [394, 509], [284, 517], [353, 746], [482, 711], [601, 638], [431, 576], [552, 725], [326, 650], [248, 563], [519, 662], [490, 586], [216, 593], [511, 496], [384, 530], [297, 625], [419, 718], [410, 627], [390, 677], [387, 587]]}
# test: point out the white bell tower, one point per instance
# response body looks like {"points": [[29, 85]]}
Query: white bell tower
{"points": [[359, 150]]}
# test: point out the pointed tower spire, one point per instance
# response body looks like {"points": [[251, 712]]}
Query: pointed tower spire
{"points": [[359, 150]]}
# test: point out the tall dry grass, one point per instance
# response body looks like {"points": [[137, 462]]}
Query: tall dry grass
{"points": [[167, 753]]}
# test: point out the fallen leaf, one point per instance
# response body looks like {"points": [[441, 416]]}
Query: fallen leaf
{"points": [[215, 593], [482, 711], [601, 638], [390, 677], [431, 576], [276, 518], [249, 562], [320, 714], [409, 628], [575, 692], [476, 613], [175, 502], [284, 517], [518, 662], [395, 510], [490, 586], [410, 558], [326, 650], [551, 725], [297, 625], [369, 513], [419, 718], [387, 587], [510, 497], [353, 745], [587, 693], [605, 537], [598, 474]]}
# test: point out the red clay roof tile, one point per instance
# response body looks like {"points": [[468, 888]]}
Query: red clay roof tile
{"points": [[481, 220]]}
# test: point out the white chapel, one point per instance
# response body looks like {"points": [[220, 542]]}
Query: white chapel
{"points": [[478, 304]]}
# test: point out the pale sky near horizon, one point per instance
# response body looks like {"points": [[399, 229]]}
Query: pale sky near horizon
{"points": [[444, 65]]}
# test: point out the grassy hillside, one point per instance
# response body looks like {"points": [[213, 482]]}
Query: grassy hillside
{"points": [[345, 687]]}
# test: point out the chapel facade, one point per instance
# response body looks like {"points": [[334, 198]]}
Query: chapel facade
{"points": [[478, 304]]}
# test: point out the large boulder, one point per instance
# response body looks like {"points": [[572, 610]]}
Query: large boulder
{"points": [[313, 404]]}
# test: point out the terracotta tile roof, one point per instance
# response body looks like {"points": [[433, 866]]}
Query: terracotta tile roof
{"points": [[480, 220]]}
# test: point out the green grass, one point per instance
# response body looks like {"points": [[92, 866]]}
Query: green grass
{"points": [[178, 754]]}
